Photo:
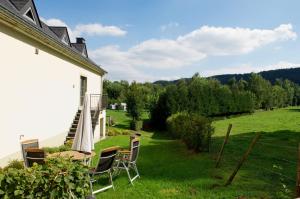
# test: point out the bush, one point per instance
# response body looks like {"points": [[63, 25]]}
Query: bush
{"points": [[127, 132], [193, 129], [58, 178], [66, 147], [16, 164], [176, 124], [114, 132], [136, 125]]}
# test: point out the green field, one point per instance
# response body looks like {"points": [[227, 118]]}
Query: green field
{"points": [[168, 170]]}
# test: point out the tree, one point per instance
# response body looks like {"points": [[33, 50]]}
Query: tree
{"points": [[135, 102], [262, 90]]}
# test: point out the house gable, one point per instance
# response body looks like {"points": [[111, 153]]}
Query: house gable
{"points": [[62, 34], [27, 10]]}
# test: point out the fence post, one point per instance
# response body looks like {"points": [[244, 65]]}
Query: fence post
{"points": [[255, 139], [298, 174], [223, 145]]}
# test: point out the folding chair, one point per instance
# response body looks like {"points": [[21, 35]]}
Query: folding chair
{"points": [[34, 155], [104, 165], [128, 159]]}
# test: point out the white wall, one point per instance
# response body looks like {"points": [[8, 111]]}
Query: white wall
{"points": [[39, 93]]}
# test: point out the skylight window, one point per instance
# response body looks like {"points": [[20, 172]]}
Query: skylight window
{"points": [[29, 15]]}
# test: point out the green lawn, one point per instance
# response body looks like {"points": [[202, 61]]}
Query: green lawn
{"points": [[168, 170]]}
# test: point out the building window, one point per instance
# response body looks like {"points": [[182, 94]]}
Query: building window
{"points": [[29, 15], [65, 39]]}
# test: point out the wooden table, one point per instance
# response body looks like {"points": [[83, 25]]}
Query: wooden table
{"points": [[74, 155]]}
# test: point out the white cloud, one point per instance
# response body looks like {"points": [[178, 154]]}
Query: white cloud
{"points": [[98, 30], [170, 25], [234, 41], [248, 68], [93, 29], [186, 50]]}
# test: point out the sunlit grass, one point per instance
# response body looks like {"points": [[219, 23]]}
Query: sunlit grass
{"points": [[168, 170]]}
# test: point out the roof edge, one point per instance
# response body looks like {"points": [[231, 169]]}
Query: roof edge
{"points": [[34, 33]]}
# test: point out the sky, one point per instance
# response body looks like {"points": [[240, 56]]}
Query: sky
{"points": [[153, 40]]}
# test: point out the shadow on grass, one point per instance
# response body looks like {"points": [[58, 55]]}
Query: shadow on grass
{"points": [[122, 126], [271, 164], [294, 109]]}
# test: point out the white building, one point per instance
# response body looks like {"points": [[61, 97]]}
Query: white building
{"points": [[43, 80]]}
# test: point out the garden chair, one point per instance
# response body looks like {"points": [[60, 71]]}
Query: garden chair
{"points": [[34, 155], [34, 143], [104, 166], [127, 160]]}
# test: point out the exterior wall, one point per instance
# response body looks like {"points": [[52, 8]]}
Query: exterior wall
{"points": [[40, 93], [100, 130]]}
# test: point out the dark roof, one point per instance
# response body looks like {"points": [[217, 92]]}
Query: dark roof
{"points": [[16, 7], [59, 31], [19, 4], [79, 47]]}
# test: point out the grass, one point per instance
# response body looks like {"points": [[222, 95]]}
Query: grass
{"points": [[168, 170]]}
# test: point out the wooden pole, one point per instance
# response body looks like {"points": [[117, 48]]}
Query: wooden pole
{"points": [[245, 156], [223, 145], [298, 174]]}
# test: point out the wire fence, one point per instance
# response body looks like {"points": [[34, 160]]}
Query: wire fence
{"points": [[277, 167]]}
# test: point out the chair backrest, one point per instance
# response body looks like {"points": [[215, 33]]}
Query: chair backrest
{"points": [[26, 144], [34, 155], [106, 159], [134, 151]]}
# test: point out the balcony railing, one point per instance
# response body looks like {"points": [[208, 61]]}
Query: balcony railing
{"points": [[98, 102]]}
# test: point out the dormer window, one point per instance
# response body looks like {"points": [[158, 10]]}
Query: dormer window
{"points": [[65, 39], [29, 15], [83, 53]]}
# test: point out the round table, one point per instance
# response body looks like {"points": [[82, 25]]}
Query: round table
{"points": [[74, 155]]}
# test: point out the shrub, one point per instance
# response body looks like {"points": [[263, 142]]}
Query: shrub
{"points": [[136, 125], [66, 147], [176, 124], [127, 132], [193, 129], [114, 132], [58, 178], [16, 164]]}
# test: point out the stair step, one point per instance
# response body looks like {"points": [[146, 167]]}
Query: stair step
{"points": [[69, 138], [72, 129], [74, 125], [71, 135]]}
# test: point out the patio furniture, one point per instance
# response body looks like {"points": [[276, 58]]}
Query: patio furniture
{"points": [[104, 166], [127, 160], [34, 155], [26, 144]]}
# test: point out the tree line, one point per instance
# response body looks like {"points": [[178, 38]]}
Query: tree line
{"points": [[203, 96]]}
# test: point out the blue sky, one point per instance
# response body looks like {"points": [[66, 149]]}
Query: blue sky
{"points": [[167, 39]]}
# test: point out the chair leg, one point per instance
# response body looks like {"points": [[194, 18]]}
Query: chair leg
{"points": [[127, 170], [111, 180], [136, 170], [91, 187]]}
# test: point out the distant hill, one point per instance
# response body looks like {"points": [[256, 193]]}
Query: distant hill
{"points": [[292, 74]]}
